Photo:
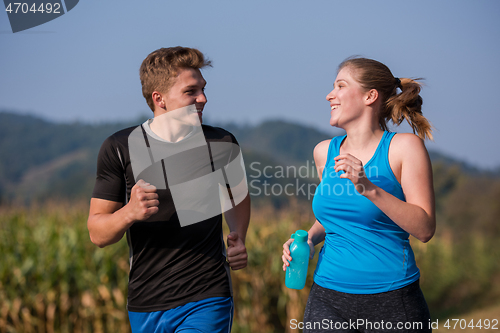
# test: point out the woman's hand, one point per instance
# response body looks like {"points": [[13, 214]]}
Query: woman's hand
{"points": [[286, 252], [353, 170]]}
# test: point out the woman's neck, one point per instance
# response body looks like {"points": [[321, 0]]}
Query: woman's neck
{"points": [[358, 138], [363, 137]]}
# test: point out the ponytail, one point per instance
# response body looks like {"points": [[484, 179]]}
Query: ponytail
{"points": [[407, 105]]}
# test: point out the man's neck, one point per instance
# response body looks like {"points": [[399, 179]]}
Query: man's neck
{"points": [[169, 129]]}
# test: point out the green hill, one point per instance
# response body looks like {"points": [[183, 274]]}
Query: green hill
{"points": [[44, 160]]}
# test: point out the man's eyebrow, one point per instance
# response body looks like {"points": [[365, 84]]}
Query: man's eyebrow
{"points": [[196, 85]]}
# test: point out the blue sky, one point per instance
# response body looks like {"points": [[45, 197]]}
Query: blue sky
{"points": [[271, 60]]}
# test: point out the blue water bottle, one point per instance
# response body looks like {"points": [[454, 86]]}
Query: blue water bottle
{"points": [[296, 273]]}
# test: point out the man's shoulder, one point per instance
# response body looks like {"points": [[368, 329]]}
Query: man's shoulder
{"points": [[121, 136], [124, 133], [213, 133]]}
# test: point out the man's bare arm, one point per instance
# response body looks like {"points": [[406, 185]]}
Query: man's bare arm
{"points": [[238, 219], [109, 220]]}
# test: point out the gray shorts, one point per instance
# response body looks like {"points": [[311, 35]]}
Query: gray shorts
{"points": [[401, 310]]}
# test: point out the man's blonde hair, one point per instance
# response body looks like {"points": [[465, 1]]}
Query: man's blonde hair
{"points": [[160, 68]]}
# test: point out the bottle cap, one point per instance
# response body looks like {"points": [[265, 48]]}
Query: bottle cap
{"points": [[300, 236]]}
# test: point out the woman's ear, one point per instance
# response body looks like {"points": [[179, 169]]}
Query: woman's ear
{"points": [[371, 96]]}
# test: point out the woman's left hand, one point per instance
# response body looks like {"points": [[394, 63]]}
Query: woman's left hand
{"points": [[353, 170]]}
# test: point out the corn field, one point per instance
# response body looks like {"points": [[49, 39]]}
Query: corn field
{"points": [[53, 279]]}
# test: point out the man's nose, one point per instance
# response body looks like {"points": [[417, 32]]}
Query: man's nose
{"points": [[202, 98]]}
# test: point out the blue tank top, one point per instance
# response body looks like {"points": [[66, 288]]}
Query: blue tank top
{"points": [[365, 252]]}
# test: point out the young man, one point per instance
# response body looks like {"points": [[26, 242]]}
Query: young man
{"points": [[163, 183]]}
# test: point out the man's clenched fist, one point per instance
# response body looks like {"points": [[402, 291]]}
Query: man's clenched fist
{"points": [[143, 201]]}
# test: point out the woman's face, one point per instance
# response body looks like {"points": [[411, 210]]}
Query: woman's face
{"points": [[346, 99]]}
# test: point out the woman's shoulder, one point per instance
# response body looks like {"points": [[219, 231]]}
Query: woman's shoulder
{"points": [[322, 147], [406, 142], [407, 147], [320, 152]]}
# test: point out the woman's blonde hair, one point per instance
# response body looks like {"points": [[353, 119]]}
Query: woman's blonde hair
{"points": [[406, 105]]}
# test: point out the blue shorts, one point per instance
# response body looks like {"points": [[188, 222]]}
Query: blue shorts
{"points": [[210, 315]]}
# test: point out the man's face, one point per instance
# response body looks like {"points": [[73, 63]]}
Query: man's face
{"points": [[188, 89]]}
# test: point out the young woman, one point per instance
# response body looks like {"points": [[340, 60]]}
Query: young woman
{"points": [[376, 190]]}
